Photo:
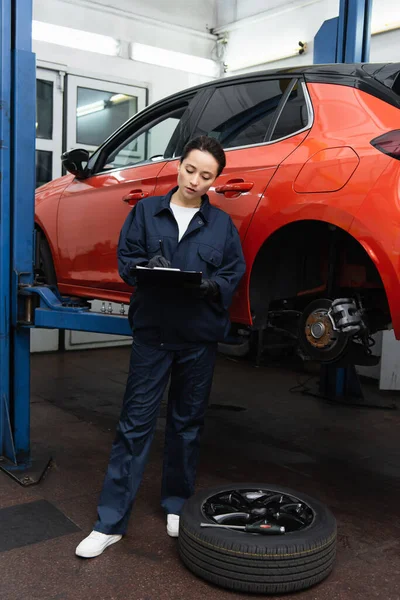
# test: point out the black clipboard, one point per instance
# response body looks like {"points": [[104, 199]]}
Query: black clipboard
{"points": [[167, 278]]}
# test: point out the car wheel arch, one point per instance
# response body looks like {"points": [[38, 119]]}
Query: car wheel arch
{"points": [[42, 238], [275, 275]]}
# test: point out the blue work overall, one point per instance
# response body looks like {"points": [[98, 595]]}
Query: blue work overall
{"points": [[175, 335]]}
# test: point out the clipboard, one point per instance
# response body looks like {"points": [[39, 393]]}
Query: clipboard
{"points": [[167, 278]]}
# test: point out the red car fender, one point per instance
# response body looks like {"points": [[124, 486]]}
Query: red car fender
{"points": [[47, 199], [382, 258], [376, 226]]}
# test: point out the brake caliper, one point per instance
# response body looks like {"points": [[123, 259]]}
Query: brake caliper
{"points": [[347, 317]]}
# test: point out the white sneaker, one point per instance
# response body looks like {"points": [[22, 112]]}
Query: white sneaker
{"points": [[95, 543], [173, 525]]}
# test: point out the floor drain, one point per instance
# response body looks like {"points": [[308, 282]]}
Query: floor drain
{"points": [[230, 407]]}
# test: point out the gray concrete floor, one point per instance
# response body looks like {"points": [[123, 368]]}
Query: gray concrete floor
{"points": [[257, 429]]}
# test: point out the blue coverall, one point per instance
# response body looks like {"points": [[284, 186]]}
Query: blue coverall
{"points": [[175, 334]]}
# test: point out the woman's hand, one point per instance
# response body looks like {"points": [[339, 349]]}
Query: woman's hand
{"points": [[209, 289], [158, 261]]}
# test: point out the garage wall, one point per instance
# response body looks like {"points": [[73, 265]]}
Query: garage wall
{"points": [[185, 33], [186, 13], [274, 33]]}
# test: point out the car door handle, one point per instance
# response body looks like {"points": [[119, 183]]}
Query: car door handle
{"points": [[237, 186], [134, 196]]}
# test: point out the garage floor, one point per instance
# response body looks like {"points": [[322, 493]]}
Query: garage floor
{"points": [[348, 457]]}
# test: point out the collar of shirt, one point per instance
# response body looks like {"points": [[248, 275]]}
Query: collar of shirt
{"points": [[204, 209]]}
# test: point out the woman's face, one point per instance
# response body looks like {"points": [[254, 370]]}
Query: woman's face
{"points": [[196, 174]]}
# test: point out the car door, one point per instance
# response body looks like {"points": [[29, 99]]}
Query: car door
{"points": [[92, 211], [243, 117]]}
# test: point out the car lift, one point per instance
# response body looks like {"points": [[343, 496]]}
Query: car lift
{"points": [[24, 305]]}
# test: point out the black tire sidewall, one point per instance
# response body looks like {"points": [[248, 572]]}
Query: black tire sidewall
{"points": [[320, 534], [47, 262]]}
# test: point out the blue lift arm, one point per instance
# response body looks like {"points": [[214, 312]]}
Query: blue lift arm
{"points": [[47, 309]]}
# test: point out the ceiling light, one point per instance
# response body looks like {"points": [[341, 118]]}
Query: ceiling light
{"points": [[385, 27], [74, 38], [173, 60], [88, 109], [119, 98], [239, 65]]}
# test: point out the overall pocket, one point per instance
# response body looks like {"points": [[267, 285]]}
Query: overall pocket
{"points": [[211, 259]]}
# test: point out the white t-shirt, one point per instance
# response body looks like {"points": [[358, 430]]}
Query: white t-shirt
{"points": [[183, 215]]}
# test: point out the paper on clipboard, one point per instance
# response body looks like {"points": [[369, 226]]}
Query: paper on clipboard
{"points": [[167, 277], [158, 268]]}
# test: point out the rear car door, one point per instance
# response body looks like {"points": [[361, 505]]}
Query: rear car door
{"points": [[245, 117], [92, 211]]}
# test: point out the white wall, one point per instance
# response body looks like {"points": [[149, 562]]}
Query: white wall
{"points": [[181, 29], [385, 47], [275, 31], [186, 13], [160, 81]]}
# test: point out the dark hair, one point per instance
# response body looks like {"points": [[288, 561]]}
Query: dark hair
{"points": [[207, 144]]}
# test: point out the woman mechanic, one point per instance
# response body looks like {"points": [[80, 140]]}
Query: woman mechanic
{"points": [[175, 334]]}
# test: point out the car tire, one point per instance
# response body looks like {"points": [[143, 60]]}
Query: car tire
{"points": [[248, 562], [45, 273]]}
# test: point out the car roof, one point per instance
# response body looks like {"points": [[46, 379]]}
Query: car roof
{"points": [[332, 70], [327, 71], [367, 75]]}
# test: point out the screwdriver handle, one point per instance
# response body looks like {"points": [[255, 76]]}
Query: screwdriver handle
{"points": [[264, 529]]}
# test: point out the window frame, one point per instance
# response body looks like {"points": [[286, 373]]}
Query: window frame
{"points": [[142, 130], [283, 104], [194, 101], [278, 110]]}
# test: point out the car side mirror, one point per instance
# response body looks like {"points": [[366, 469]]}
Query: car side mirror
{"points": [[75, 162]]}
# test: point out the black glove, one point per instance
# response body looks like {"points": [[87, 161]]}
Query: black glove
{"points": [[158, 261], [209, 289]]}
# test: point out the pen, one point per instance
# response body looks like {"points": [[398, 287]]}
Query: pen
{"points": [[162, 248]]}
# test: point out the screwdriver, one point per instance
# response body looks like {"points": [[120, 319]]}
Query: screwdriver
{"points": [[262, 527]]}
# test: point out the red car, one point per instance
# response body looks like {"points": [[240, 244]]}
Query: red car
{"points": [[312, 183]]}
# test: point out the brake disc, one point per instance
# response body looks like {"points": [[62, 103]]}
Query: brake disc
{"points": [[318, 335]]}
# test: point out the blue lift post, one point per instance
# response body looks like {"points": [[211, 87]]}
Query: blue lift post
{"points": [[6, 442], [17, 156], [23, 111], [22, 304], [344, 39]]}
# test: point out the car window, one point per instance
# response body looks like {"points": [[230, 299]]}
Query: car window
{"points": [[294, 115], [151, 142], [240, 114]]}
